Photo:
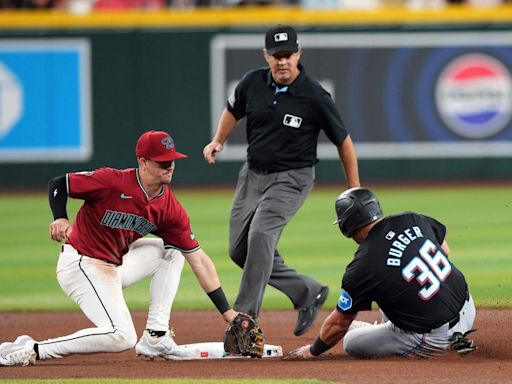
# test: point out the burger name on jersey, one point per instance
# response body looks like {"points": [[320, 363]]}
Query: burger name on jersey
{"points": [[400, 243]]}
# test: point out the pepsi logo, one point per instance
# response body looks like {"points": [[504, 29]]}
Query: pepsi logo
{"points": [[474, 96]]}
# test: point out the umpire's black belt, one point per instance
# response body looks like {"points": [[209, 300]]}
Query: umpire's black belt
{"points": [[267, 171], [261, 171]]}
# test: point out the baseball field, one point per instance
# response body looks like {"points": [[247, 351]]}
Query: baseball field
{"points": [[480, 233]]}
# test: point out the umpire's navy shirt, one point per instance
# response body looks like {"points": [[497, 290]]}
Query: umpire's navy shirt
{"points": [[283, 124]]}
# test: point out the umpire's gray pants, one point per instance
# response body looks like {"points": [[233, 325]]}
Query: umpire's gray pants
{"points": [[263, 205]]}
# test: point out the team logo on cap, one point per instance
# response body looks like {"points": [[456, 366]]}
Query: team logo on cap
{"points": [[167, 142], [283, 36], [474, 96]]}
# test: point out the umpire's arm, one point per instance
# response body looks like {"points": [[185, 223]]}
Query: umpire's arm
{"points": [[226, 126], [347, 154]]}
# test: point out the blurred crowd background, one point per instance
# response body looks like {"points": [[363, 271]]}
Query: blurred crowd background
{"points": [[309, 4]]}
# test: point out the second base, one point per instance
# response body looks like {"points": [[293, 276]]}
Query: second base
{"points": [[215, 350]]}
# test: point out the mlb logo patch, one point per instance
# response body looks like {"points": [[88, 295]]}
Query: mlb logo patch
{"points": [[292, 121], [283, 36]]}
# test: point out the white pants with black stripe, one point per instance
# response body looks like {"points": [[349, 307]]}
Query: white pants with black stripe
{"points": [[97, 287]]}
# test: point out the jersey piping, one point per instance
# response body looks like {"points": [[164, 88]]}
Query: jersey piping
{"points": [[171, 246], [142, 187]]}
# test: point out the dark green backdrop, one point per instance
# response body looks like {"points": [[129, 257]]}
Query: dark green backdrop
{"points": [[159, 79]]}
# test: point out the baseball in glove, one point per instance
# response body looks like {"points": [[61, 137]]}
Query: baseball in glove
{"points": [[244, 337]]}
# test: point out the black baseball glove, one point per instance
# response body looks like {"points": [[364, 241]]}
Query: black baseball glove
{"points": [[244, 337]]}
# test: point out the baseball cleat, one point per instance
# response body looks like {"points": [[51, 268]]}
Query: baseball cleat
{"points": [[20, 352], [462, 344], [165, 347], [307, 315]]}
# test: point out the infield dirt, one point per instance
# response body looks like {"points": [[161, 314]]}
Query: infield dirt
{"points": [[491, 363]]}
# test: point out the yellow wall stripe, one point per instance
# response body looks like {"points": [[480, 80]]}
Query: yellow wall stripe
{"points": [[248, 17]]}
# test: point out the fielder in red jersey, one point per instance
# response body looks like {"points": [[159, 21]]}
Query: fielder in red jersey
{"points": [[122, 213], [105, 251]]}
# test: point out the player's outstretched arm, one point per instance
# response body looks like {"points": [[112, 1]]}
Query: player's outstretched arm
{"points": [[243, 336], [333, 329], [206, 275]]}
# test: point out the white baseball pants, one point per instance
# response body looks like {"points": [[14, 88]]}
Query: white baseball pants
{"points": [[97, 287]]}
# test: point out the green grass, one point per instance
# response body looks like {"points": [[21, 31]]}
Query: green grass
{"points": [[478, 218]]}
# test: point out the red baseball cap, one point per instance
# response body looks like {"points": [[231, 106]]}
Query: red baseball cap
{"points": [[157, 146]]}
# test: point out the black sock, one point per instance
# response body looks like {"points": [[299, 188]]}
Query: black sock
{"points": [[36, 350], [156, 333]]}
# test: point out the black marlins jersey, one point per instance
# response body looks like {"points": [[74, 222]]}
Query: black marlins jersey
{"points": [[401, 266]]}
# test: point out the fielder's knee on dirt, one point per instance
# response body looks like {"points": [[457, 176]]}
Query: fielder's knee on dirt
{"points": [[90, 340], [122, 340]]}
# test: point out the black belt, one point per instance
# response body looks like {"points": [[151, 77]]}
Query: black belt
{"points": [[454, 322], [456, 319], [261, 171]]}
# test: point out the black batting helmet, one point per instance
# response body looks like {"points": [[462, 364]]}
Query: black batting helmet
{"points": [[355, 208]]}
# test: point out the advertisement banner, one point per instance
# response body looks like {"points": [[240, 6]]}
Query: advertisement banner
{"points": [[400, 94], [45, 106]]}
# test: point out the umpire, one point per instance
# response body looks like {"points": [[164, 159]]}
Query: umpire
{"points": [[285, 110]]}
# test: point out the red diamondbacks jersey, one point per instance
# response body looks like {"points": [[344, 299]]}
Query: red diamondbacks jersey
{"points": [[117, 211]]}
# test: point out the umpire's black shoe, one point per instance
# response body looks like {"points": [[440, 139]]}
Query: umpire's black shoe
{"points": [[307, 315]]}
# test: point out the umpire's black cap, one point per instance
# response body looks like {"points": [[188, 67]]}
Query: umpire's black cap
{"points": [[281, 38]]}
